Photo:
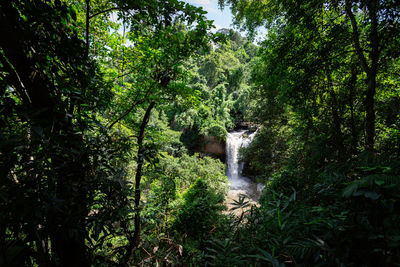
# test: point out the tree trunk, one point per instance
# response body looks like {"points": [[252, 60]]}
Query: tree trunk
{"points": [[371, 70], [140, 161]]}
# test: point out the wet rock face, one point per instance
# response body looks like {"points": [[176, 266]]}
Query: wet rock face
{"points": [[210, 146], [213, 145]]}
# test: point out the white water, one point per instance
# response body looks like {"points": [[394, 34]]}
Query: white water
{"points": [[235, 140]]}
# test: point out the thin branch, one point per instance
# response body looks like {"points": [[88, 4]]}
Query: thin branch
{"points": [[126, 113], [107, 10], [132, 70], [137, 102], [18, 83], [124, 74], [344, 52]]}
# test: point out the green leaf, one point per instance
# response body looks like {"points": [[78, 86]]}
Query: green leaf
{"points": [[372, 195], [350, 189]]}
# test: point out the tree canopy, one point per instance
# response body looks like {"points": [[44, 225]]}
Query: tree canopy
{"points": [[106, 107]]}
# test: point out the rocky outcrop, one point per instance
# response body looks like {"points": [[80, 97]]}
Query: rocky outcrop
{"points": [[214, 147], [247, 125]]}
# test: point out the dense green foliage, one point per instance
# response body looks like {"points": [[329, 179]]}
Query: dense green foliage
{"points": [[220, 79], [325, 87], [75, 104], [104, 105]]}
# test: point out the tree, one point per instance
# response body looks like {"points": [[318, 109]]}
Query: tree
{"points": [[60, 164], [220, 78], [372, 27], [46, 78], [154, 64]]}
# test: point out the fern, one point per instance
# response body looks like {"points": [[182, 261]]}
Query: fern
{"points": [[307, 248], [367, 185], [240, 203], [264, 256], [223, 252]]}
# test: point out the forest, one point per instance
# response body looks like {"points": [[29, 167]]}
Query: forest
{"points": [[117, 119]]}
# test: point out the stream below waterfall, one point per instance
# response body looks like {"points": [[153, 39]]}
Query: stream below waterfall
{"points": [[239, 184]]}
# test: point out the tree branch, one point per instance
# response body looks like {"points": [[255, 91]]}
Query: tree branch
{"points": [[18, 83], [356, 35], [374, 36], [106, 10], [137, 102], [126, 113]]}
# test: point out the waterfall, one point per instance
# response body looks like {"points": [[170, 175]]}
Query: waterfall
{"points": [[236, 140]]}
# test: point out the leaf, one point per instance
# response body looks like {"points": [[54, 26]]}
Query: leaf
{"points": [[350, 189], [372, 195], [38, 130], [265, 256]]}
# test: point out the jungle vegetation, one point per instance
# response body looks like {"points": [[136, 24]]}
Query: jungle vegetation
{"points": [[104, 103]]}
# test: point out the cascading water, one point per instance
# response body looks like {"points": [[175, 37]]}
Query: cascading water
{"points": [[238, 182]]}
